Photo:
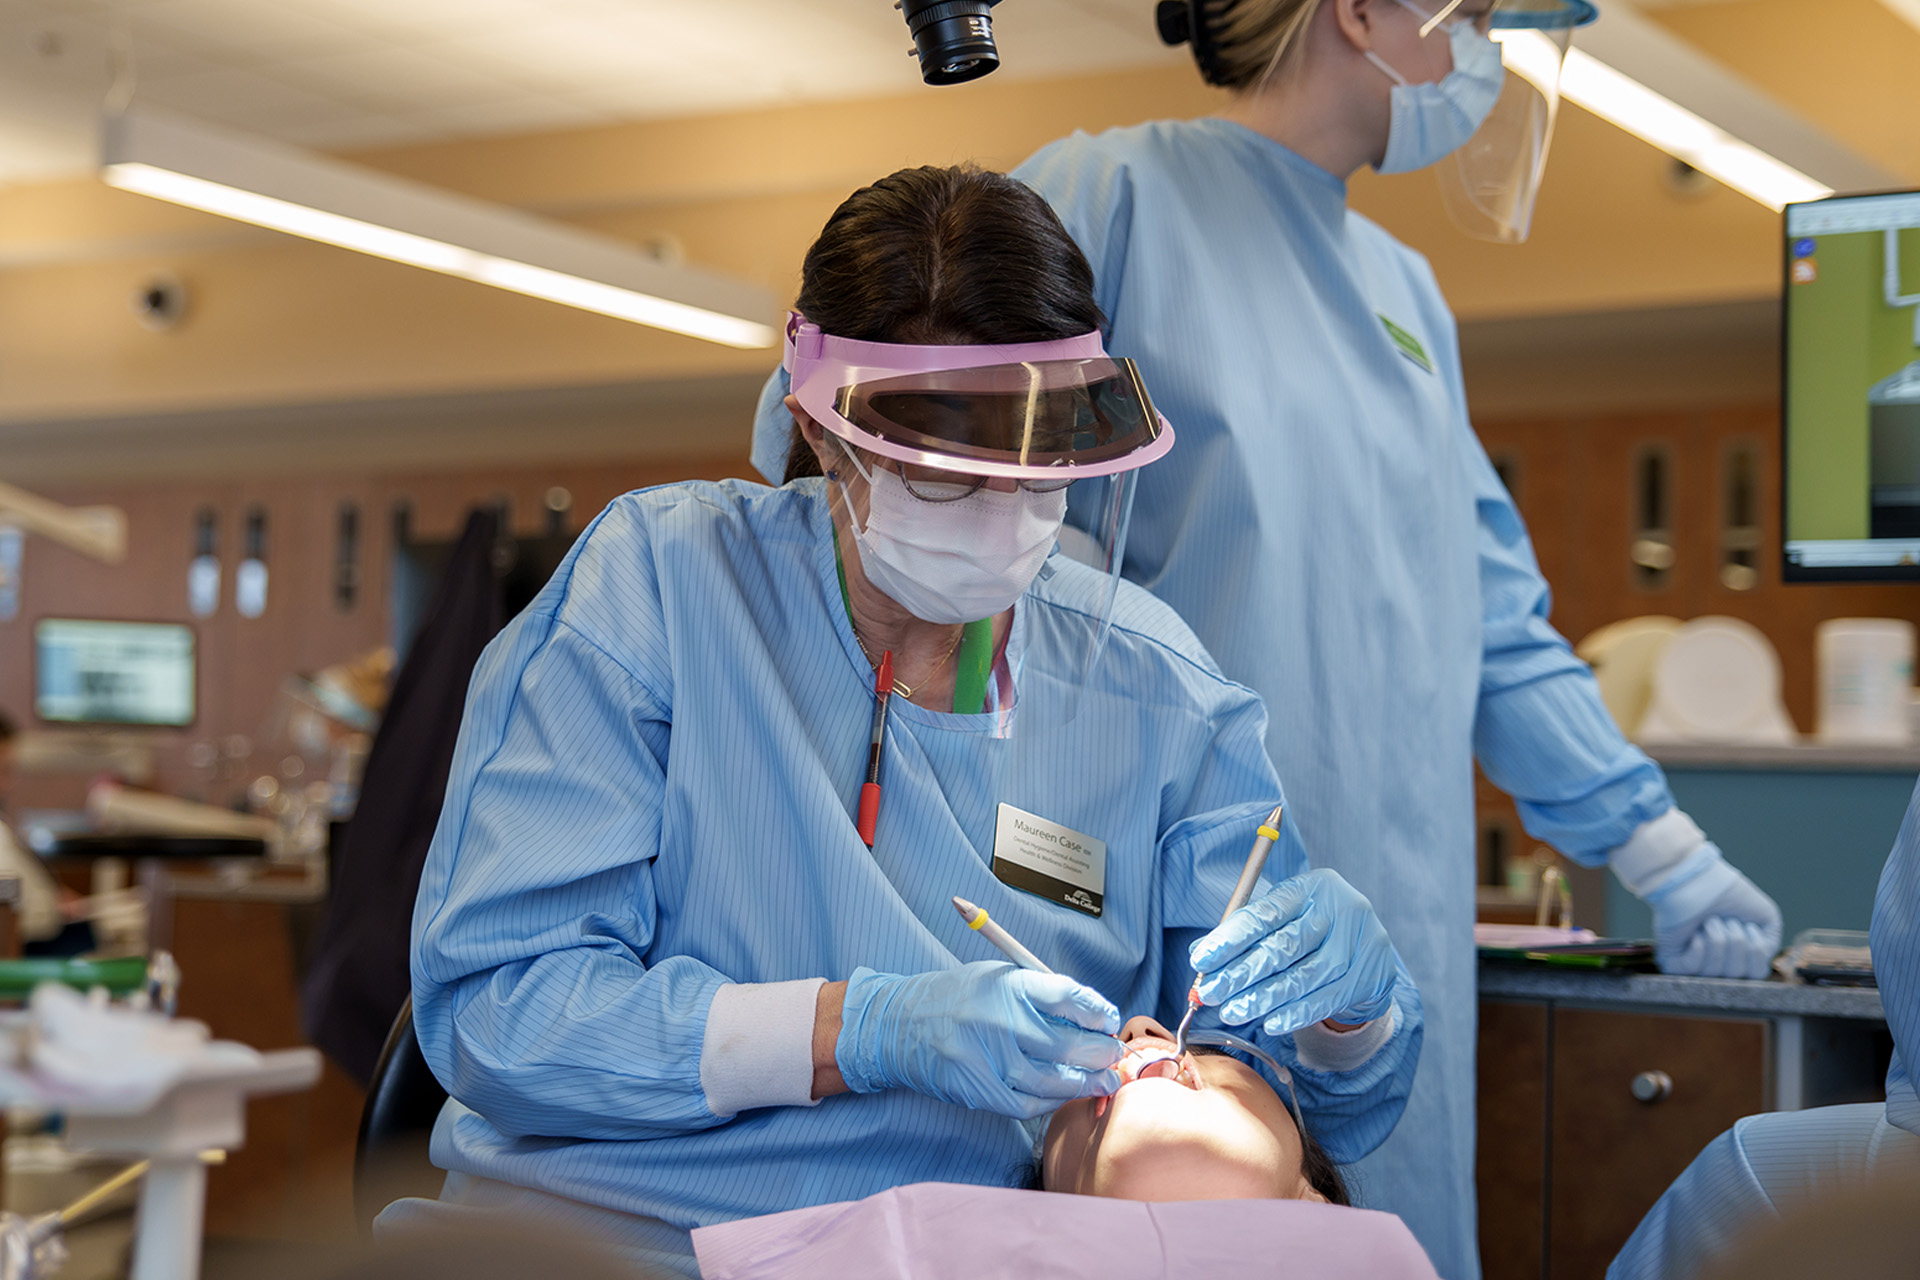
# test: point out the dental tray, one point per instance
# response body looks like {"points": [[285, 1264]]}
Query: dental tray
{"points": [[1829, 958]]}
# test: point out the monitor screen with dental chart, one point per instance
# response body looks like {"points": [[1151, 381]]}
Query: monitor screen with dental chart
{"points": [[1852, 388], [88, 671]]}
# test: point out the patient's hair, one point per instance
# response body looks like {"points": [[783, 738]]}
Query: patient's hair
{"points": [[938, 256], [1323, 1175]]}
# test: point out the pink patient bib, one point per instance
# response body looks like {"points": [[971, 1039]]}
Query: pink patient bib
{"points": [[943, 1231]]}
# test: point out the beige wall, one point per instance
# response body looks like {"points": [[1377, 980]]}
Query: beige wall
{"points": [[282, 322]]}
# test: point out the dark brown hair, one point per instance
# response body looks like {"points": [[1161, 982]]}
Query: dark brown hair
{"points": [[958, 255], [1322, 1174]]}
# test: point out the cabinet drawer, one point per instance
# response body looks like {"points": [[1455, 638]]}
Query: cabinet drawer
{"points": [[1614, 1148]]}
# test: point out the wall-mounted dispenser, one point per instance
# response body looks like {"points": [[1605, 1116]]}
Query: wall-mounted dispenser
{"points": [[203, 574], [346, 559], [1652, 547], [250, 580]]}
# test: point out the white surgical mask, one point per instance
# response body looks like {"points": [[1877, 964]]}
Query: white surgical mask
{"points": [[954, 561], [1431, 121]]}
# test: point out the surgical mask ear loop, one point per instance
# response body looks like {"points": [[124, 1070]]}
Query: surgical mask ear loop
{"points": [[1387, 67], [1227, 1040], [1427, 27]]}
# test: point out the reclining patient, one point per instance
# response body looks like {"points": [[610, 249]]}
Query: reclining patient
{"points": [[1206, 1127], [1194, 1163]]}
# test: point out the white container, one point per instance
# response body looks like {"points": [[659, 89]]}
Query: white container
{"points": [[1718, 680], [1866, 679]]}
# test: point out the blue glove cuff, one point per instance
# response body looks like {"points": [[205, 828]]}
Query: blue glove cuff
{"points": [[863, 1022]]}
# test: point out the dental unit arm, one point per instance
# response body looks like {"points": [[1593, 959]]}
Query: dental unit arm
{"points": [[99, 532]]}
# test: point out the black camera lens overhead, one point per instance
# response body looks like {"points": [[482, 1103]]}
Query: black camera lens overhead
{"points": [[953, 38]]}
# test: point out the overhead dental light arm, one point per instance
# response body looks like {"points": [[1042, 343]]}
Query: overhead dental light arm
{"points": [[100, 532], [1895, 298]]}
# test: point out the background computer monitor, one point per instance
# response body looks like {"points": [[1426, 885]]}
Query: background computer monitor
{"points": [[1852, 388], [113, 673]]}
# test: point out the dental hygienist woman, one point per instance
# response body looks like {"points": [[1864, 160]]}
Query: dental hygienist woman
{"points": [[1330, 526], [665, 977]]}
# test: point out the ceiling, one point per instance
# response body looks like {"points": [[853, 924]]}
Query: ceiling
{"points": [[344, 74], [356, 73]]}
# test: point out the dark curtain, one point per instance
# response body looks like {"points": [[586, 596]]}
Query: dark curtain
{"points": [[359, 978]]}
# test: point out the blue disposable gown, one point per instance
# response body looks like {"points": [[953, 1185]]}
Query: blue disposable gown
{"points": [[1330, 527], [653, 796], [1768, 1164]]}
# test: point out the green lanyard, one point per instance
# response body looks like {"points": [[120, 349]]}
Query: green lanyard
{"points": [[973, 664]]}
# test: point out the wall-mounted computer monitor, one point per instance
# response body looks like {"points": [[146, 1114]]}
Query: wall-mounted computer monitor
{"points": [[1852, 388], [113, 673]]}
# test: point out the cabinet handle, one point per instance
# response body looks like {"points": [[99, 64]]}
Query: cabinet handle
{"points": [[1652, 1086]]}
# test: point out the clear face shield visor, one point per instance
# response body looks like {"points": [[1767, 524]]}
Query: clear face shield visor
{"points": [[1057, 428], [1489, 185]]}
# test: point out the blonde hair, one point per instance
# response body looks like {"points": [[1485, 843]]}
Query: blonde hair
{"points": [[1250, 39]]}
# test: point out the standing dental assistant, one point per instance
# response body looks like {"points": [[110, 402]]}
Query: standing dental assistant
{"points": [[1332, 529], [663, 977]]}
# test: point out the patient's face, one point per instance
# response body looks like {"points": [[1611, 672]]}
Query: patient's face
{"points": [[1207, 1128]]}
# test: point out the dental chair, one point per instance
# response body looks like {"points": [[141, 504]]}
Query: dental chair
{"points": [[403, 1100]]}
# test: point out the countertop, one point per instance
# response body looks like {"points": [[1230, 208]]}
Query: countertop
{"points": [[1807, 756], [1706, 995]]}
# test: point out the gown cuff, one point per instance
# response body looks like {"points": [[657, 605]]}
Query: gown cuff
{"points": [[1320, 1048], [1653, 851], [758, 1048]]}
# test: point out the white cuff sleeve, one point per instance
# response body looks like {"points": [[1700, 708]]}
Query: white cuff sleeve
{"points": [[758, 1050], [1654, 850], [1320, 1048]]}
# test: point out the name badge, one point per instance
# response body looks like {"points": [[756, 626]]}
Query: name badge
{"points": [[1050, 861], [1407, 345]]}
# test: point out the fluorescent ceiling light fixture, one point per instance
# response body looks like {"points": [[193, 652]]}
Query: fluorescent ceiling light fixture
{"points": [[1907, 10], [270, 185], [1623, 101]]}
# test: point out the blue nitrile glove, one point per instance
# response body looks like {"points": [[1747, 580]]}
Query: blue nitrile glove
{"points": [[1308, 949], [985, 1035], [1711, 921]]}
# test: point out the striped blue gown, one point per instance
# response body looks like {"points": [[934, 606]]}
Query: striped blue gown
{"points": [[1333, 532], [1767, 1164], [652, 796]]}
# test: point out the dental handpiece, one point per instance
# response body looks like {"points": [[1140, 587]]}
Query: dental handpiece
{"points": [[1263, 839], [988, 928]]}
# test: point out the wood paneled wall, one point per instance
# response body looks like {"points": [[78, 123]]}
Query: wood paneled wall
{"points": [[1574, 480], [242, 661]]}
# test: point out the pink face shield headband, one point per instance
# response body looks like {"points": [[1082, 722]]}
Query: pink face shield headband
{"points": [[1037, 410]]}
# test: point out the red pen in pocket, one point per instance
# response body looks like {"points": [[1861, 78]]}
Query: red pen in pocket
{"points": [[870, 793]]}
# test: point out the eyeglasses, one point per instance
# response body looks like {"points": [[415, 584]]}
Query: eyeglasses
{"points": [[931, 484], [1478, 12], [935, 484]]}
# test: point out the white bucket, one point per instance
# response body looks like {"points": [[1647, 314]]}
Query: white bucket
{"points": [[1866, 679]]}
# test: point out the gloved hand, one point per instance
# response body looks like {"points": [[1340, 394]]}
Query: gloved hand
{"points": [[1711, 921], [985, 1035], [1308, 949]]}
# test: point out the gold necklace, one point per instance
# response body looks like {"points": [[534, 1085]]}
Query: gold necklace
{"points": [[900, 686]]}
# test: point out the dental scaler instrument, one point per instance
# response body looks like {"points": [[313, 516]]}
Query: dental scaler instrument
{"points": [[978, 920], [1263, 839]]}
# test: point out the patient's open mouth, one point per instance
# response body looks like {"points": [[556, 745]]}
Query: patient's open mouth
{"points": [[1152, 1062]]}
